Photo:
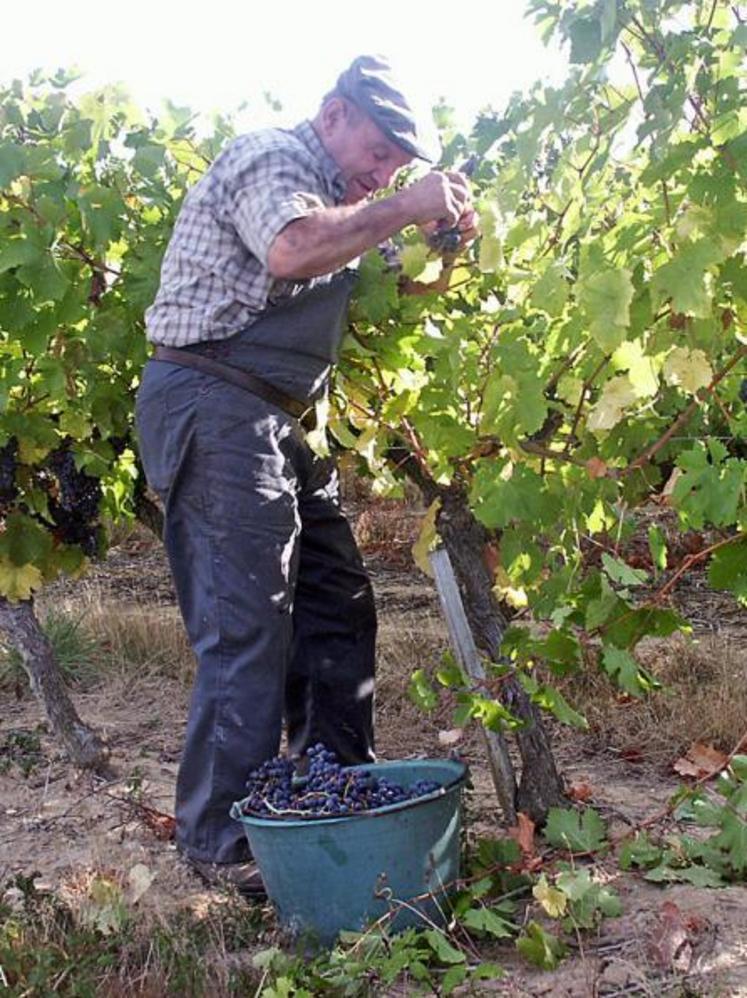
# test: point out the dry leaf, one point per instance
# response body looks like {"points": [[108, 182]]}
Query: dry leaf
{"points": [[523, 833], [139, 879], [701, 761], [674, 936], [581, 791], [596, 467], [450, 737]]}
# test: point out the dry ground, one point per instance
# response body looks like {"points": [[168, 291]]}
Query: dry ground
{"points": [[72, 828]]}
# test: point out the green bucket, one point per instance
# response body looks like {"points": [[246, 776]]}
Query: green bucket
{"points": [[332, 873]]}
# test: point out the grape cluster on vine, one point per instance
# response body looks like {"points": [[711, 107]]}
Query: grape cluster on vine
{"points": [[328, 790], [8, 463], [74, 507]]}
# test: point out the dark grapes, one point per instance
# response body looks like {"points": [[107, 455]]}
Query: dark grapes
{"points": [[445, 240], [328, 789], [75, 507], [8, 462]]}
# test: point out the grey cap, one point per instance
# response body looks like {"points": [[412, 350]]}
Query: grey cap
{"points": [[368, 83]]}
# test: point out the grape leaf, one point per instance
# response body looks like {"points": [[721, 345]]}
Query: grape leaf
{"points": [[606, 295], [577, 831], [687, 369], [728, 569], [620, 664], [17, 582], [540, 948], [683, 279], [554, 901], [617, 395]]}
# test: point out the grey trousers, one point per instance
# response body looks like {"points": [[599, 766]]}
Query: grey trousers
{"points": [[271, 587]]}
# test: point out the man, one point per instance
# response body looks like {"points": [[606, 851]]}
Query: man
{"points": [[247, 322]]}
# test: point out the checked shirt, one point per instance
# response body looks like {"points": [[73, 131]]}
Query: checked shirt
{"points": [[214, 276]]}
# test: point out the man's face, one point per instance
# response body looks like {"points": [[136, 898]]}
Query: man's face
{"points": [[366, 157]]}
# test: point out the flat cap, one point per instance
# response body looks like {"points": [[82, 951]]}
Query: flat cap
{"points": [[369, 84]]}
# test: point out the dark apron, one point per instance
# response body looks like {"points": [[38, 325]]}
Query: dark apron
{"points": [[286, 356]]}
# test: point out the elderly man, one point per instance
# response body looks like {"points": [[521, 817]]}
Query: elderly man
{"points": [[247, 323]]}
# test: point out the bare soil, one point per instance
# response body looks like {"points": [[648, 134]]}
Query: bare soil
{"points": [[71, 827]]}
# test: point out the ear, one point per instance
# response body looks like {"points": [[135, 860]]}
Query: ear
{"points": [[335, 114]]}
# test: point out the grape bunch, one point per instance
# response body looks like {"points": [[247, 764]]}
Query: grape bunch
{"points": [[75, 507], [8, 462], [327, 790]]}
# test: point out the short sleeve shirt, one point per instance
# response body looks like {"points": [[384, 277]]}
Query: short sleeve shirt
{"points": [[214, 276]]}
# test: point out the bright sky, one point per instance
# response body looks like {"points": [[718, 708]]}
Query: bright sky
{"points": [[214, 55]]}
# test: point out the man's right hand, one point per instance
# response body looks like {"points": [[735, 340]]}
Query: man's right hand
{"points": [[438, 197]]}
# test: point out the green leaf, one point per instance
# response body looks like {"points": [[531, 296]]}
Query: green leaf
{"points": [[376, 292], [698, 876], [728, 569], [586, 39], [621, 572], [19, 251], [639, 851], [420, 691], [577, 831], [606, 296], [732, 839], [657, 545], [551, 291], [489, 922], [540, 948], [683, 279], [453, 977], [626, 671], [443, 949], [12, 161]]}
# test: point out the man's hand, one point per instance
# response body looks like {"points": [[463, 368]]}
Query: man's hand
{"points": [[464, 232], [438, 197]]}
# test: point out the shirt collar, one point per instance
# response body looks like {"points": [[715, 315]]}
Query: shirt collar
{"points": [[332, 173]]}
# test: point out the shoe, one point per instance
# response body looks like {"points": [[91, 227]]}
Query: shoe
{"points": [[242, 877]]}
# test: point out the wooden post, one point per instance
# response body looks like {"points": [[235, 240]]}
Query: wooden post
{"points": [[465, 650]]}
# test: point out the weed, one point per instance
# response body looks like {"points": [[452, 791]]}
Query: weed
{"points": [[21, 747], [76, 648]]}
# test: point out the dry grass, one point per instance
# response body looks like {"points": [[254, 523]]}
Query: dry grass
{"points": [[704, 698]]}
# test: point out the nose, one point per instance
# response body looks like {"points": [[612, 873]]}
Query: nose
{"points": [[382, 176]]}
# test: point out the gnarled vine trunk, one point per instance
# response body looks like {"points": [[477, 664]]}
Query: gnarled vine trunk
{"points": [[540, 786], [83, 745]]}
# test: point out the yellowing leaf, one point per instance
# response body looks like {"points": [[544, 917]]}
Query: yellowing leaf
{"points": [[515, 596], [427, 538], [616, 395], [317, 438], [491, 250], [552, 900], [641, 369], [417, 265], [688, 369], [18, 582]]}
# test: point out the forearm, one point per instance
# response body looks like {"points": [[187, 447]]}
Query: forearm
{"points": [[327, 239]]}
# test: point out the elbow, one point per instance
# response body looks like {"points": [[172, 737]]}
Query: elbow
{"points": [[288, 257], [281, 264]]}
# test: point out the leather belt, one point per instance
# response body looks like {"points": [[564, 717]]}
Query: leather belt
{"points": [[236, 376]]}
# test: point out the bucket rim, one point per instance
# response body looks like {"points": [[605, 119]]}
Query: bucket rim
{"points": [[283, 822]]}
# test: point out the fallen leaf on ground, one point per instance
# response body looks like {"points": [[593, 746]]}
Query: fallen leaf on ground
{"points": [[673, 937], [139, 880], [701, 761], [450, 737], [523, 833], [631, 754], [582, 791]]}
